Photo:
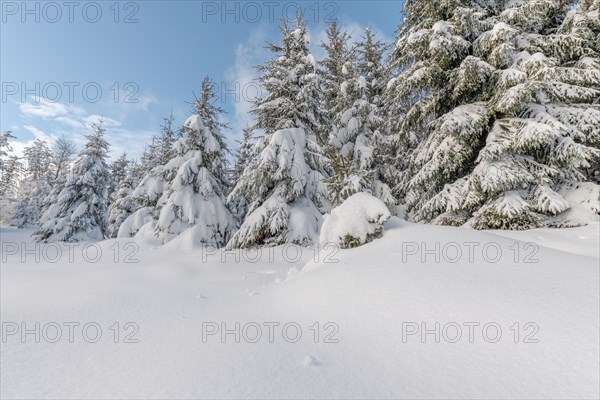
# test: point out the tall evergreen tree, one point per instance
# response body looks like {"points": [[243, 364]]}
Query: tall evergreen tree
{"points": [[337, 53], [523, 123], [370, 63], [80, 210], [197, 174], [355, 138], [433, 40], [285, 182]]}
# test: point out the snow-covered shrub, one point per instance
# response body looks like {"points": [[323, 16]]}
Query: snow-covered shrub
{"points": [[134, 223], [358, 220]]}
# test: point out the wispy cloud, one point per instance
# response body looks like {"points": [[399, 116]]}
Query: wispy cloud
{"points": [[73, 121], [37, 133], [43, 109], [68, 121], [95, 119], [248, 54]]}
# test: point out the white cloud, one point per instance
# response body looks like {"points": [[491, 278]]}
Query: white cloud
{"points": [[73, 121], [37, 133], [95, 118], [68, 121], [247, 55], [145, 101], [131, 142], [44, 109]]}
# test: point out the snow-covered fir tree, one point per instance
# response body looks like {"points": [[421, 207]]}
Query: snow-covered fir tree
{"points": [[160, 149], [285, 183], [35, 186], [5, 147], [8, 165], [124, 203], [337, 53], [356, 129], [145, 196], [524, 122], [243, 156], [118, 172], [370, 63], [11, 173], [80, 210], [195, 196], [433, 40], [63, 151], [152, 181]]}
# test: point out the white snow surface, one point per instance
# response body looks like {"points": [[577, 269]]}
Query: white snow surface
{"points": [[370, 293]]}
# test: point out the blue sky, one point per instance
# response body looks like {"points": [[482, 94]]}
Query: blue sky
{"points": [[152, 52]]}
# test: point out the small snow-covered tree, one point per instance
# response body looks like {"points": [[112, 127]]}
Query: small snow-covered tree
{"points": [[144, 197], [165, 141], [5, 147], [8, 165], [35, 186], [160, 149], [244, 155], [80, 210], [63, 150], [124, 203], [118, 172], [285, 182], [152, 181], [195, 196], [11, 173]]}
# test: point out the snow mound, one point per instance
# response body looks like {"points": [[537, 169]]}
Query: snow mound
{"points": [[358, 220]]}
